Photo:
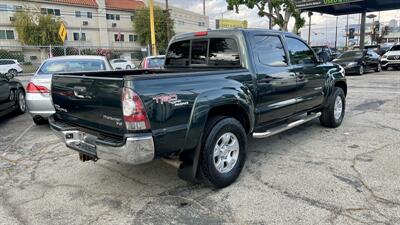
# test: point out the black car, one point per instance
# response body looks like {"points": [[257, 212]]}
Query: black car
{"points": [[12, 95], [359, 61]]}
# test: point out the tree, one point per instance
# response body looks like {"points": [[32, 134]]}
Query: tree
{"points": [[37, 29], [279, 11], [162, 22]]}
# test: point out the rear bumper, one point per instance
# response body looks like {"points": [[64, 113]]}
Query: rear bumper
{"points": [[135, 149], [39, 105]]}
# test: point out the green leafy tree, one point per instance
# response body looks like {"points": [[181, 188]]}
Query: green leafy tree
{"points": [[37, 29], [163, 24], [279, 11]]}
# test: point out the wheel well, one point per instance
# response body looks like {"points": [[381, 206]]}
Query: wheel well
{"points": [[342, 85], [234, 111]]}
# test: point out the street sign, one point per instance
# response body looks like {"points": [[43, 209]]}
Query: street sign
{"points": [[309, 4], [62, 32]]}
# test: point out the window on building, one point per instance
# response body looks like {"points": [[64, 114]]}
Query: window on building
{"points": [[48, 11], [119, 37], [76, 36], [107, 16], [112, 17], [199, 51], [77, 13], [89, 15], [135, 37], [117, 17], [299, 52], [7, 35], [83, 36], [178, 54], [131, 38], [223, 52], [132, 18], [269, 50], [43, 11], [57, 12]]}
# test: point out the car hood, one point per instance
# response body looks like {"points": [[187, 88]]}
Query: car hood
{"points": [[392, 53]]}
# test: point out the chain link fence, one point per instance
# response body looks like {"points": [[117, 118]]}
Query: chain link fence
{"points": [[31, 57]]}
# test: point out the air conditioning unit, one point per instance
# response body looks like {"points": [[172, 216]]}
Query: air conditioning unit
{"points": [[85, 23], [114, 24]]}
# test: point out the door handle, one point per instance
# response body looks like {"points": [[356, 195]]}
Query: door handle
{"points": [[266, 79]]}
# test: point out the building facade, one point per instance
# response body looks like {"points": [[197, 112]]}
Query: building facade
{"points": [[92, 23]]}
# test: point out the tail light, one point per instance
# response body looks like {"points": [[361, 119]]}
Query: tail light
{"points": [[146, 64], [200, 33], [32, 88], [135, 116]]}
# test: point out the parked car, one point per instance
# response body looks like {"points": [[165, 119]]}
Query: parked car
{"points": [[12, 95], [153, 62], [10, 66], [358, 61], [391, 58], [122, 64], [38, 89], [216, 88]]}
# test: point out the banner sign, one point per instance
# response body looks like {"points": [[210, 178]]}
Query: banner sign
{"points": [[309, 4]]}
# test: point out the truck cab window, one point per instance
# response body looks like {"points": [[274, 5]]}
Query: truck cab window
{"points": [[178, 54], [299, 52], [223, 52], [269, 50], [199, 51]]}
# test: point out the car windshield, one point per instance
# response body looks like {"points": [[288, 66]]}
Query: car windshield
{"points": [[66, 65], [351, 55], [395, 48], [156, 62]]}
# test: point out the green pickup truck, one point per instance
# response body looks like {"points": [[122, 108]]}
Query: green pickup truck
{"points": [[217, 88]]}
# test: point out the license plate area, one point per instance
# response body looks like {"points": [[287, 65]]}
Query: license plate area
{"points": [[81, 142]]}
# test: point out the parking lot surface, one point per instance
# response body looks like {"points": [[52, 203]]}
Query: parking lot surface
{"points": [[308, 175]]}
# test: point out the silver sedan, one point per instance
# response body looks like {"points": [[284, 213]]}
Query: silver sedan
{"points": [[38, 96]]}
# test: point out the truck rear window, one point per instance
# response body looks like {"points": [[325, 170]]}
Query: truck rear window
{"points": [[212, 52]]}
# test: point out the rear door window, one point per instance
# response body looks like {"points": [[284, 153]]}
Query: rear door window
{"points": [[223, 52], [178, 54], [269, 50]]}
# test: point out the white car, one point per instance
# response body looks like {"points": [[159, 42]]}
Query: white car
{"points": [[38, 98], [10, 66], [122, 64], [391, 58]]}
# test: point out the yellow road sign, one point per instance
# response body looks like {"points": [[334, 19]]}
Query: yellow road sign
{"points": [[62, 32]]}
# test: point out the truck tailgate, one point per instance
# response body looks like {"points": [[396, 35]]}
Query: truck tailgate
{"points": [[92, 102]]}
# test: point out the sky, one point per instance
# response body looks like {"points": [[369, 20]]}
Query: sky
{"points": [[323, 26]]}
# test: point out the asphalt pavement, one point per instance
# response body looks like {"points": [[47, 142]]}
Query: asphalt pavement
{"points": [[307, 175]]}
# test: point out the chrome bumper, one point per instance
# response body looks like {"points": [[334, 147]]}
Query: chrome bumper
{"points": [[136, 149]]}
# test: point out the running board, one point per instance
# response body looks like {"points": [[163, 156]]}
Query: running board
{"points": [[284, 127]]}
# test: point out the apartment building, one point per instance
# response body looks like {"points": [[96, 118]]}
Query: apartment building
{"points": [[92, 23]]}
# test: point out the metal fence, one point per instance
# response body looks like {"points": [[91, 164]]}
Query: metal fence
{"points": [[31, 57]]}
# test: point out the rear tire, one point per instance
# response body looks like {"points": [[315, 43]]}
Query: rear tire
{"points": [[361, 71], [40, 120], [332, 116], [223, 151], [20, 101]]}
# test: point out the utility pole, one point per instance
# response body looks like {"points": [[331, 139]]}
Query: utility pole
{"points": [[309, 27], [204, 7], [152, 30], [337, 18], [167, 12], [362, 29], [347, 31]]}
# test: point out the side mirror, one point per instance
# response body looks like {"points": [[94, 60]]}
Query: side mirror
{"points": [[323, 57]]}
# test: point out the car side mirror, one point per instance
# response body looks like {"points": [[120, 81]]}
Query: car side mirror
{"points": [[322, 57]]}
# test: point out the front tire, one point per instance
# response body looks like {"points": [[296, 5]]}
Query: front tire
{"points": [[332, 116], [378, 68], [128, 67], [224, 151], [21, 102]]}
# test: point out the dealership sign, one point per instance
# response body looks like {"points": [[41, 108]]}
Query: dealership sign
{"points": [[308, 4]]}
